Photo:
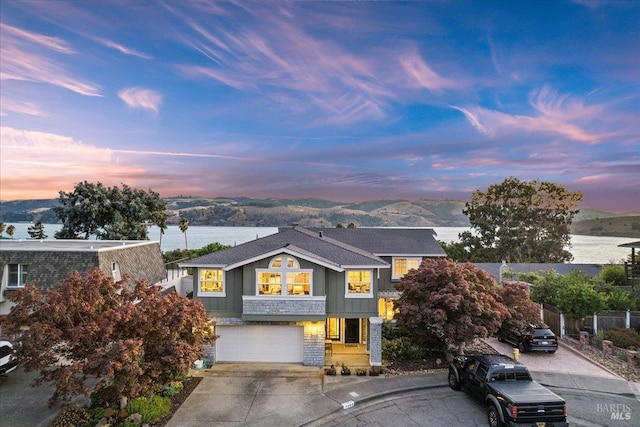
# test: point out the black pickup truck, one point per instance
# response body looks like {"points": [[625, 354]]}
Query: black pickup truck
{"points": [[506, 387]]}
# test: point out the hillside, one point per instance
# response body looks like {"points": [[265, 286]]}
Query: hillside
{"points": [[270, 212]]}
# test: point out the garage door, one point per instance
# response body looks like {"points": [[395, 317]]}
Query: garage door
{"points": [[258, 343]]}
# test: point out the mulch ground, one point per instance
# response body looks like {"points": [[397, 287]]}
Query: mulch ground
{"points": [[178, 399]]}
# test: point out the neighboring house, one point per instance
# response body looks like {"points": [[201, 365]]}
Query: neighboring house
{"points": [[45, 263], [283, 297], [632, 266], [510, 272]]}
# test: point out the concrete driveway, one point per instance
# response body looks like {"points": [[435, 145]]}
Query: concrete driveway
{"points": [[563, 361], [251, 394]]}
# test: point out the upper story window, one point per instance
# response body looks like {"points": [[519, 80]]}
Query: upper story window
{"points": [[211, 283], [284, 277], [17, 276], [401, 266], [359, 284]]}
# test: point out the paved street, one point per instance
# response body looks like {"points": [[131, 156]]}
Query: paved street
{"points": [[292, 395], [22, 405]]}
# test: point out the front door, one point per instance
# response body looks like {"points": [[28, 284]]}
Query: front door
{"points": [[351, 331]]}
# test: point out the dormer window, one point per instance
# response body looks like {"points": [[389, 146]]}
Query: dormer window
{"points": [[284, 277]]}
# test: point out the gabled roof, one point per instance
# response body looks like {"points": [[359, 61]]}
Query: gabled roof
{"points": [[388, 241], [297, 241], [630, 245]]}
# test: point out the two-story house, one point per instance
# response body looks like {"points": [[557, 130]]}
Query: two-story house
{"points": [[282, 297], [45, 263]]}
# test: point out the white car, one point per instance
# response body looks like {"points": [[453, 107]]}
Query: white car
{"points": [[8, 360]]}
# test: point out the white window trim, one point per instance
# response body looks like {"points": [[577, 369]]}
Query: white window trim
{"points": [[348, 294], [393, 264], [283, 270], [213, 294], [20, 284]]}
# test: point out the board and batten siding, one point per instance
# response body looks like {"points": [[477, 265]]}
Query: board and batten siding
{"points": [[339, 306], [231, 304]]}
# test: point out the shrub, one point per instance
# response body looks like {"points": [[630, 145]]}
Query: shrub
{"points": [[151, 409], [172, 389], [400, 349], [623, 337], [105, 396], [70, 416]]}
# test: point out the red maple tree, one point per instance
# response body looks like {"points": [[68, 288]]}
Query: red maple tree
{"points": [[91, 332], [458, 302]]}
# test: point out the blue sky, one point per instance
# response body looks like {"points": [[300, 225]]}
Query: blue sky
{"points": [[345, 101]]}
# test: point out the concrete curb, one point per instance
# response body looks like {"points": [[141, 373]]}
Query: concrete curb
{"points": [[396, 389]]}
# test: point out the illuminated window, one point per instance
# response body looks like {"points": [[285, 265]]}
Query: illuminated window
{"points": [[17, 275], [212, 283], [401, 266], [284, 277], [386, 309], [269, 283], [359, 283]]}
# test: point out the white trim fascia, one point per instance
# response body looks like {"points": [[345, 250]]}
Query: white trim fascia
{"points": [[211, 266], [278, 252], [410, 255], [363, 267]]}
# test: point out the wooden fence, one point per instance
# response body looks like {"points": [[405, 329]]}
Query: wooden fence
{"points": [[563, 325]]}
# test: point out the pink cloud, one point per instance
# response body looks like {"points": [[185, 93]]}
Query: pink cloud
{"points": [[141, 98]]}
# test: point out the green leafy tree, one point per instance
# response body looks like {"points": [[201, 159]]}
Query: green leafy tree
{"points": [[108, 213], [520, 221], [578, 300], [184, 226], [11, 230], [124, 336], [455, 250], [546, 288], [458, 302], [36, 231], [613, 274]]}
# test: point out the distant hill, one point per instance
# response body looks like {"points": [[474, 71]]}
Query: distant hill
{"points": [[270, 212]]}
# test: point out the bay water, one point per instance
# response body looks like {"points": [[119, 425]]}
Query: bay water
{"points": [[585, 249]]}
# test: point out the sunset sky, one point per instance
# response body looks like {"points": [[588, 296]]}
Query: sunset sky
{"points": [[346, 101]]}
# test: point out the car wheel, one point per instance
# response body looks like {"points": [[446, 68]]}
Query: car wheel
{"points": [[453, 380], [522, 347], [500, 338], [493, 416]]}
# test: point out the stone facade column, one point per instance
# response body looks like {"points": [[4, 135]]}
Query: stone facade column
{"points": [[313, 351], [375, 331]]}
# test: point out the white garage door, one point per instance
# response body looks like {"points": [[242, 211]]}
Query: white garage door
{"points": [[258, 343]]}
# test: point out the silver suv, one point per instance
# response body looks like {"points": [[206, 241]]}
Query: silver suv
{"points": [[8, 359]]}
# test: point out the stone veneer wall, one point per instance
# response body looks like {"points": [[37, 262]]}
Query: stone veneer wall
{"points": [[281, 306], [313, 352], [375, 330]]}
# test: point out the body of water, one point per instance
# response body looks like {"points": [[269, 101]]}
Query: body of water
{"points": [[585, 249]]}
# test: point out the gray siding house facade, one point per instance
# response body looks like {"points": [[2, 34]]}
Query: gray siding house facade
{"points": [[45, 263], [284, 297]]}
